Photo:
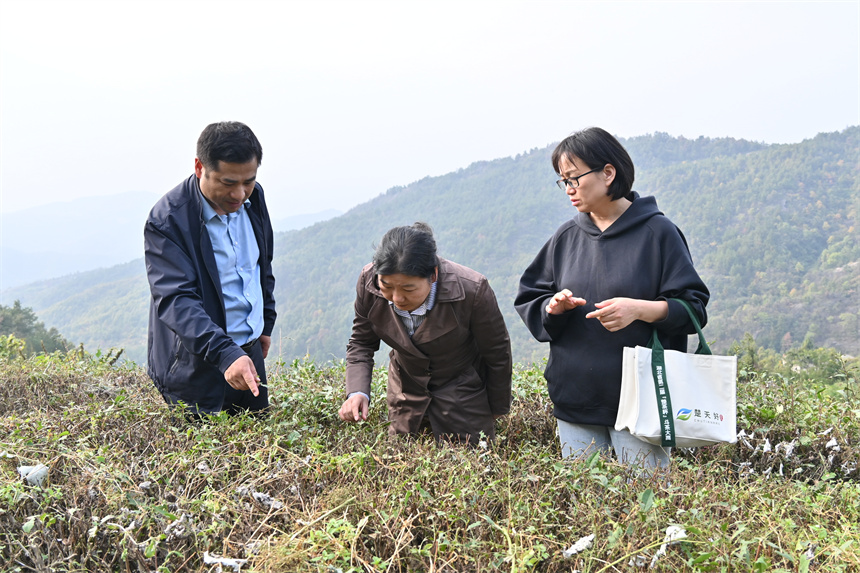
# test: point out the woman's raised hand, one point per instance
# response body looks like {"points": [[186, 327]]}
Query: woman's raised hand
{"points": [[563, 301]]}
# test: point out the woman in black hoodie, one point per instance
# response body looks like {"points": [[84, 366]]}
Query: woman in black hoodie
{"points": [[602, 282]]}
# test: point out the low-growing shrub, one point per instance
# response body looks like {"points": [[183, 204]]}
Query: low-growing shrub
{"points": [[133, 487]]}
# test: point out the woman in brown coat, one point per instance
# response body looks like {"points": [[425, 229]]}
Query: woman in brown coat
{"points": [[450, 359]]}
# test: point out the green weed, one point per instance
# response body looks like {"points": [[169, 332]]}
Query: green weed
{"points": [[133, 487]]}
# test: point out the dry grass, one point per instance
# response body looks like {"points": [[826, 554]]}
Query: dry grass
{"points": [[133, 488]]}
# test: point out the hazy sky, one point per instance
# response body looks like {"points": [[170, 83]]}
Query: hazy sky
{"points": [[351, 98]]}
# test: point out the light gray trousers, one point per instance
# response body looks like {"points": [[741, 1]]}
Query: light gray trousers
{"points": [[580, 440]]}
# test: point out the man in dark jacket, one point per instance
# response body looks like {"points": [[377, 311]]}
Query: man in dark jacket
{"points": [[208, 251]]}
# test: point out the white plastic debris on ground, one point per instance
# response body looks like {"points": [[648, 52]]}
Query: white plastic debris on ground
{"points": [[742, 436], [35, 475], [181, 528], [787, 447], [263, 499], [221, 562], [578, 547], [674, 534]]}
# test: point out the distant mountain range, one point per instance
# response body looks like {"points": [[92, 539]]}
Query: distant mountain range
{"points": [[71, 236], [772, 229], [295, 222]]}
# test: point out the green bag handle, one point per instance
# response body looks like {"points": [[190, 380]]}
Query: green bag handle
{"points": [[661, 383]]}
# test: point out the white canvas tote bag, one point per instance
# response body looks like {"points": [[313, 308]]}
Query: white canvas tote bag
{"points": [[676, 399]]}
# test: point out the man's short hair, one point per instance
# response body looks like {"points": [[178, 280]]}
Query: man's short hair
{"points": [[230, 142]]}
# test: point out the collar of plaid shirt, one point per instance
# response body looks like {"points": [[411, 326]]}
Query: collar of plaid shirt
{"points": [[412, 320]]}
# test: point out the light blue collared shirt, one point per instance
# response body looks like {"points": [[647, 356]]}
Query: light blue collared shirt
{"points": [[238, 258]]}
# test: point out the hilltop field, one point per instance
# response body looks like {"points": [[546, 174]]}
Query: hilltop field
{"points": [[129, 487]]}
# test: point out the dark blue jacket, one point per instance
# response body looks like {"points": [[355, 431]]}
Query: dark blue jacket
{"points": [[188, 346]]}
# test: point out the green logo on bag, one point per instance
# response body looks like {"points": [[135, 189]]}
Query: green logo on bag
{"points": [[684, 414]]}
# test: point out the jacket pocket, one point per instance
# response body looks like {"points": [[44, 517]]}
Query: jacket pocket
{"points": [[175, 357], [470, 384]]}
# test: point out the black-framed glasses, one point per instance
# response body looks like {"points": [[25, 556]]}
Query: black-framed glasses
{"points": [[573, 181]]}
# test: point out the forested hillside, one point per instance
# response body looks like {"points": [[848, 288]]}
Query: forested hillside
{"points": [[105, 308], [777, 239], [773, 231]]}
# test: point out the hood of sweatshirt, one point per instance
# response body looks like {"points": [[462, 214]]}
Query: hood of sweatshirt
{"points": [[642, 209]]}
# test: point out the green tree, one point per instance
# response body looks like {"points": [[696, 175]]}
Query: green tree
{"points": [[22, 323]]}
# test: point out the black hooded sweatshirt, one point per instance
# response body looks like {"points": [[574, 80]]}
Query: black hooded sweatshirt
{"points": [[642, 255]]}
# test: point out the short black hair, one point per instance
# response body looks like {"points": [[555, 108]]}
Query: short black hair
{"points": [[597, 147], [230, 142], [407, 251]]}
